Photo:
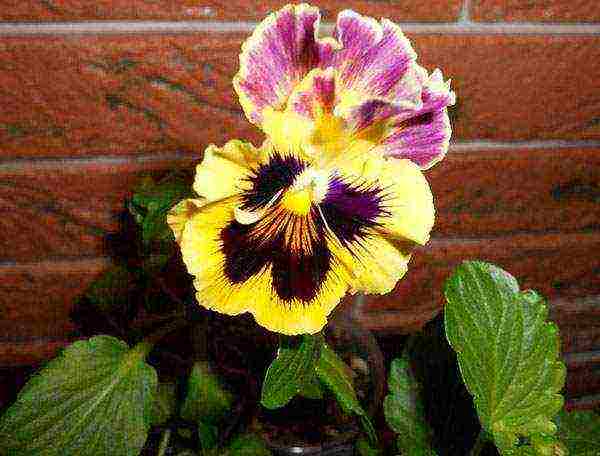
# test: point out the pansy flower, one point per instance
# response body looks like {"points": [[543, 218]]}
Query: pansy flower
{"points": [[334, 199], [361, 84]]}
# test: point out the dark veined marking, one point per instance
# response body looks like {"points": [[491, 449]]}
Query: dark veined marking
{"points": [[420, 120], [296, 274], [352, 209], [279, 173], [301, 274], [243, 257]]}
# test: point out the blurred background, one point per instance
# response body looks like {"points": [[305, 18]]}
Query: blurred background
{"points": [[95, 94]]}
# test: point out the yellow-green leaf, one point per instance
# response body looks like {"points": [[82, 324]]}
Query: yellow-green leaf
{"points": [[507, 352], [93, 399], [291, 370], [580, 432]]}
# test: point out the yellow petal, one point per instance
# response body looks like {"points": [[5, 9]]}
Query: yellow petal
{"points": [[223, 170], [374, 263], [203, 255], [408, 198], [288, 132], [179, 215]]}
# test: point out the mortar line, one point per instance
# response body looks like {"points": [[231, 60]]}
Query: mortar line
{"points": [[463, 26], [461, 147]]}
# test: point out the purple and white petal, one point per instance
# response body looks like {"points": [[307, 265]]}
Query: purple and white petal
{"points": [[422, 135], [278, 55], [375, 58]]}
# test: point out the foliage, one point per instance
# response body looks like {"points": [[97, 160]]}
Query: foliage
{"points": [[580, 432], [165, 403], [508, 354], [404, 410], [335, 374], [94, 399], [151, 202], [292, 369], [206, 403]]}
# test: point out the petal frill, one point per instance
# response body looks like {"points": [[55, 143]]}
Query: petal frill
{"points": [[203, 251], [375, 59], [409, 212], [277, 56], [322, 123], [223, 170], [179, 215], [422, 135]]}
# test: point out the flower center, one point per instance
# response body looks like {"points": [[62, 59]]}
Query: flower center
{"points": [[308, 188]]}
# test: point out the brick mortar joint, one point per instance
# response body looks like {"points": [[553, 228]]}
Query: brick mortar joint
{"points": [[459, 147], [463, 26]]}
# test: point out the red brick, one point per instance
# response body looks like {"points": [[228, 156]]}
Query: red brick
{"points": [[556, 265], [76, 10], [519, 87], [35, 304], [30, 353], [64, 96], [535, 10], [116, 95], [58, 210], [492, 192], [37, 297]]}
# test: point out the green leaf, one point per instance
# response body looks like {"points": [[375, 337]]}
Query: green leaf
{"points": [[364, 448], [206, 399], [336, 375], [580, 432], [206, 403], [508, 354], [404, 410], [112, 289], [291, 370], [165, 403], [312, 388], [93, 399], [208, 435], [153, 200], [247, 445]]}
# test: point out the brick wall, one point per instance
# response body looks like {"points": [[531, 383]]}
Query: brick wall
{"points": [[94, 93]]}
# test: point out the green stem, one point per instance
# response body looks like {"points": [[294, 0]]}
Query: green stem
{"points": [[479, 443], [164, 442], [145, 346]]}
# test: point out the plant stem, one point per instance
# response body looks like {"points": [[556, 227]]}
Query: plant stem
{"points": [[164, 442], [145, 346], [479, 443]]}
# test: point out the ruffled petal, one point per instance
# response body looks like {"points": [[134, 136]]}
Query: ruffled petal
{"points": [[321, 124], [231, 276], [376, 210], [223, 170], [281, 51], [376, 59], [422, 135]]}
